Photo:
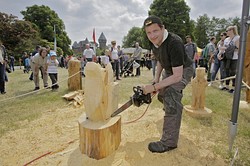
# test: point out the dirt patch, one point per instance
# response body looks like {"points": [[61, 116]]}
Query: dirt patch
{"points": [[57, 133]]}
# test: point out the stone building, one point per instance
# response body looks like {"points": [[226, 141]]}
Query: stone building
{"points": [[78, 48]]}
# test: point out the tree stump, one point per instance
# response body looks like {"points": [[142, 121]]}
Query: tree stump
{"points": [[199, 84], [99, 139], [75, 80], [100, 135]]}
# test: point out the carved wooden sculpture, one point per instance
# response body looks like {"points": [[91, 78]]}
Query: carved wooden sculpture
{"points": [[100, 135], [199, 84]]}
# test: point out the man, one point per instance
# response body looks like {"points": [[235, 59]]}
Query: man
{"points": [[36, 51], [191, 50], [121, 58], [137, 56], [178, 70], [209, 52], [88, 54], [2, 68]]}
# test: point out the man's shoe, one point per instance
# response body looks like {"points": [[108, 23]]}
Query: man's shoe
{"points": [[231, 91], [3, 92], [159, 147], [36, 88]]}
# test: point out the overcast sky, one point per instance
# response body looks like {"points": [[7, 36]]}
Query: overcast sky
{"points": [[114, 17]]}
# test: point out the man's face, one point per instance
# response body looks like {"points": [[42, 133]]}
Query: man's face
{"points": [[188, 39], [155, 33]]}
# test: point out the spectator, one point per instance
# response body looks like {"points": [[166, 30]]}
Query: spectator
{"points": [[137, 55], [88, 54], [3, 55], [191, 50], [231, 64], [40, 62], [218, 62], [52, 64], [114, 59]]}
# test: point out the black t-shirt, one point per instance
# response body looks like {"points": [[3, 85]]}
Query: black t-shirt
{"points": [[171, 53]]}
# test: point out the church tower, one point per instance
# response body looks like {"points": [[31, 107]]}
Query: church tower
{"points": [[102, 41]]}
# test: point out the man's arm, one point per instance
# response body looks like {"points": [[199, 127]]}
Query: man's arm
{"points": [[176, 77]]}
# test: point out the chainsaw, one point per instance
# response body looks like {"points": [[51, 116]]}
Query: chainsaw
{"points": [[137, 99]]}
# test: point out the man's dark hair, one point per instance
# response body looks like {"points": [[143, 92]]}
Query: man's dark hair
{"points": [[152, 20]]}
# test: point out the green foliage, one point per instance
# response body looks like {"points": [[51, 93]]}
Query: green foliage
{"points": [[46, 19], [134, 35], [174, 15], [17, 35]]}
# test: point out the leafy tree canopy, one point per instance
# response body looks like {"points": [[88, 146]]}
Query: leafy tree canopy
{"points": [[45, 19]]}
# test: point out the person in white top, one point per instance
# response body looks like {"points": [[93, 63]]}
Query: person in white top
{"points": [[230, 64], [114, 59], [88, 53], [53, 63]]}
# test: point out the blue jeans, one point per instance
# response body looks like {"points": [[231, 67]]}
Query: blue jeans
{"points": [[218, 65]]}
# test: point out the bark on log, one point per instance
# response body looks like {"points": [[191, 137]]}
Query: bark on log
{"points": [[74, 82], [99, 139], [247, 66]]}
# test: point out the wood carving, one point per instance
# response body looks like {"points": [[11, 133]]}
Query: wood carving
{"points": [[199, 84], [100, 135]]}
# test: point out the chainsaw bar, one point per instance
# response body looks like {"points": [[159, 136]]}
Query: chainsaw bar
{"points": [[123, 107]]}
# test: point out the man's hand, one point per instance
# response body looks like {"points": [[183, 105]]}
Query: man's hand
{"points": [[148, 89]]}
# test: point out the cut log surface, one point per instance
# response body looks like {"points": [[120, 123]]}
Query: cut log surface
{"points": [[99, 139]]}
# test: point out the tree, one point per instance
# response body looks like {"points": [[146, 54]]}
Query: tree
{"points": [[134, 35], [17, 35], [174, 15], [201, 30], [46, 19]]}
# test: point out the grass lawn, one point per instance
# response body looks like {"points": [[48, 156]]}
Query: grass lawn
{"points": [[208, 132]]}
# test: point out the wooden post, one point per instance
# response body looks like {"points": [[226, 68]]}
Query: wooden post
{"points": [[246, 75], [199, 84], [247, 66], [74, 82], [100, 135]]}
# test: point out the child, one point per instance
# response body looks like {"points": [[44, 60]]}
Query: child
{"points": [[52, 70]]}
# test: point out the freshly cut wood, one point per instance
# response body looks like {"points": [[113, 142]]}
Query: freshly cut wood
{"points": [[99, 139], [75, 80], [101, 92], [71, 95]]}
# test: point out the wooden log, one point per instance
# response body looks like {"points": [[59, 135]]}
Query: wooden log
{"points": [[101, 92], [247, 66], [75, 80], [99, 139]]}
